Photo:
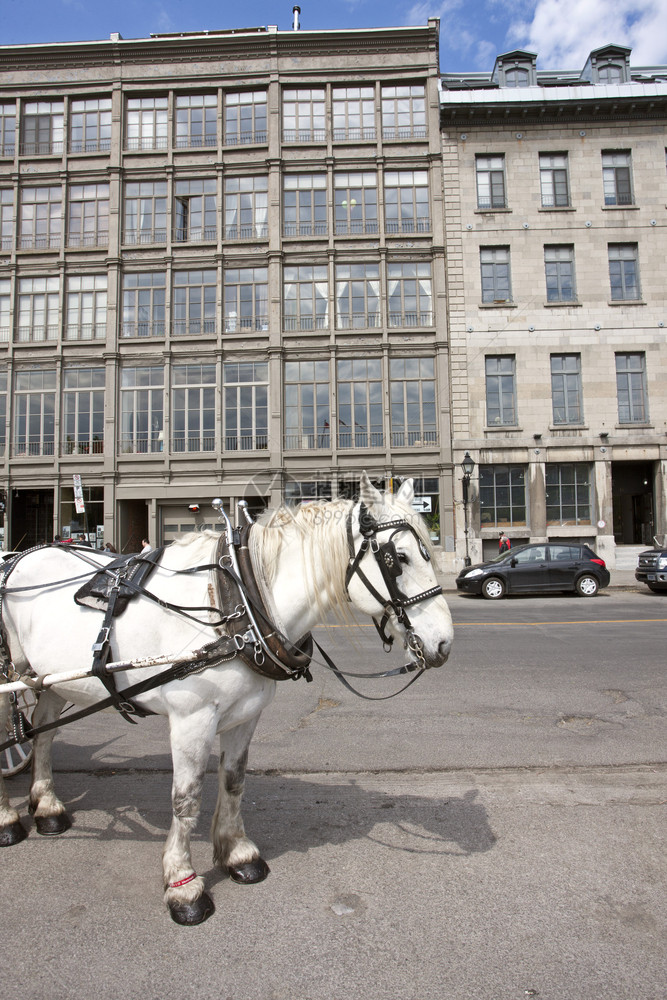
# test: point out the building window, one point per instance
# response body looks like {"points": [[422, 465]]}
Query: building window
{"points": [[306, 297], [144, 297], [404, 112], [303, 115], [194, 308], [83, 411], [568, 489], [41, 218], [559, 272], [6, 219], [42, 128], [146, 123], [196, 121], [306, 490], [566, 392], [413, 416], [490, 171], [5, 309], [355, 203], [517, 77], [500, 390], [141, 409], [406, 203], [90, 126], [195, 211], [360, 418], [353, 113], [246, 207], [245, 117], [307, 405], [611, 73], [495, 267], [631, 388], [88, 220], [305, 205], [145, 212], [193, 408], [554, 184], [7, 129], [623, 271], [86, 307], [246, 406], [502, 496], [246, 299], [616, 178], [3, 411], [39, 301], [34, 412], [410, 300], [357, 296]]}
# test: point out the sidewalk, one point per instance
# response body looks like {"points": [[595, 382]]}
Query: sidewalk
{"points": [[621, 579]]}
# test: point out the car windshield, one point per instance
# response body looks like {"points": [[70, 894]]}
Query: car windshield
{"points": [[508, 554]]}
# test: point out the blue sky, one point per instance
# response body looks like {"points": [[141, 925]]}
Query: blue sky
{"points": [[472, 32]]}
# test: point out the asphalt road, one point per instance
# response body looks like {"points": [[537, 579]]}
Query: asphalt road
{"points": [[495, 832]]}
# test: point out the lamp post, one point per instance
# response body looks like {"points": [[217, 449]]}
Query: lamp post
{"points": [[468, 466]]}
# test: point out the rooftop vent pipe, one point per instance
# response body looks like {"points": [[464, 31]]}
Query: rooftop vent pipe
{"points": [[296, 11]]}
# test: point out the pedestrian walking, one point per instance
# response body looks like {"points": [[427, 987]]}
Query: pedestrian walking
{"points": [[503, 542]]}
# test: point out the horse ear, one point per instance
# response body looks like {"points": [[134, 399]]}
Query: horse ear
{"points": [[407, 491], [367, 492]]}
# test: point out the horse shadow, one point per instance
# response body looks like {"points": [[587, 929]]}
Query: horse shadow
{"points": [[283, 814]]}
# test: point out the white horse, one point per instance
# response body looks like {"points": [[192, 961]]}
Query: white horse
{"points": [[309, 561]]}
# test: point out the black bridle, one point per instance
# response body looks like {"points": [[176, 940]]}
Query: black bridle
{"points": [[388, 561]]}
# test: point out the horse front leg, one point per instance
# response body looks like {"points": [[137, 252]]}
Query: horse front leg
{"points": [[231, 848], [51, 818], [12, 830], [192, 741]]}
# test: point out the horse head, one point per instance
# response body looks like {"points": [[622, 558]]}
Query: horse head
{"points": [[390, 574]]}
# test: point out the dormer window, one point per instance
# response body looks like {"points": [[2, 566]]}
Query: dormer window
{"points": [[515, 69], [610, 73], [517, 77]]}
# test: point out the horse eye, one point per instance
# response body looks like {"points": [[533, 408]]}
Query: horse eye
{"points": [[402, 558]]}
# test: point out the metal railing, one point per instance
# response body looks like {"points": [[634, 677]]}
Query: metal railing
{"points": [[354, 134], [40, 241], [246, 442], [305, 229], [413, 439], [85, 331], [305, 322], [40, 148], [139, 445], [146, 329], [94, 447], [36, 334], [358, 321], [249, 232], [411, 318], [146, 142], [90, 145], [233, 324], [244, 138], [193, 443], [96, 239], [422, 224], [195, 234], [193, 327], [357, 227], [404, 132], [360, 439], [304, 135], [136, 237], [306, 441]]}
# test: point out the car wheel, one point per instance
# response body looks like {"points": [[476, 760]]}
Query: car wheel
{"points": [[656, 589], [587, 586], [493, 589]]}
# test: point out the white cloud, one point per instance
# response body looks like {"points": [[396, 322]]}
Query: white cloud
{"points": [[563, 32]]}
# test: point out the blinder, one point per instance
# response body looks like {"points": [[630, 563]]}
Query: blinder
{"points": [[391, 569]]}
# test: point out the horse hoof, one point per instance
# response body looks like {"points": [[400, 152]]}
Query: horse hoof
{"points": [[251, 871], [12, 834], [189, 914], [52, 826]]}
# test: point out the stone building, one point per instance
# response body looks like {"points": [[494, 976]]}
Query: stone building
{"points": [[221, 274], [554, 193]]}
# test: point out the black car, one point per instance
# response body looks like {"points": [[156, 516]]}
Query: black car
{"points": [[539, 567], [652, 569]]}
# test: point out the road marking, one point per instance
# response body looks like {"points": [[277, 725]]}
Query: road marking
{"points": [[582, 621]]}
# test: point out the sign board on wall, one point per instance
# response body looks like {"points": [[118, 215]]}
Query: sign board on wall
{"points": [[79, 505], [422, 504]]}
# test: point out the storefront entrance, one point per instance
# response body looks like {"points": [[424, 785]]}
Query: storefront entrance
{"points": [[632, 496], [31, 518]]}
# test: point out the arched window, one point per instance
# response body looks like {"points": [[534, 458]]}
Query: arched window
{"points": [[517, 77]]}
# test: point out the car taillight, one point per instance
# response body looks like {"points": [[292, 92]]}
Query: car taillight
{"points": [[600, 562]]}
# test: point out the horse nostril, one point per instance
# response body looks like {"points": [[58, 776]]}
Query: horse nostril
{"points": [[444, 648]]}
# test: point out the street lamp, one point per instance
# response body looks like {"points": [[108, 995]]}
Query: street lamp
{"points": [[468, 466]]}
